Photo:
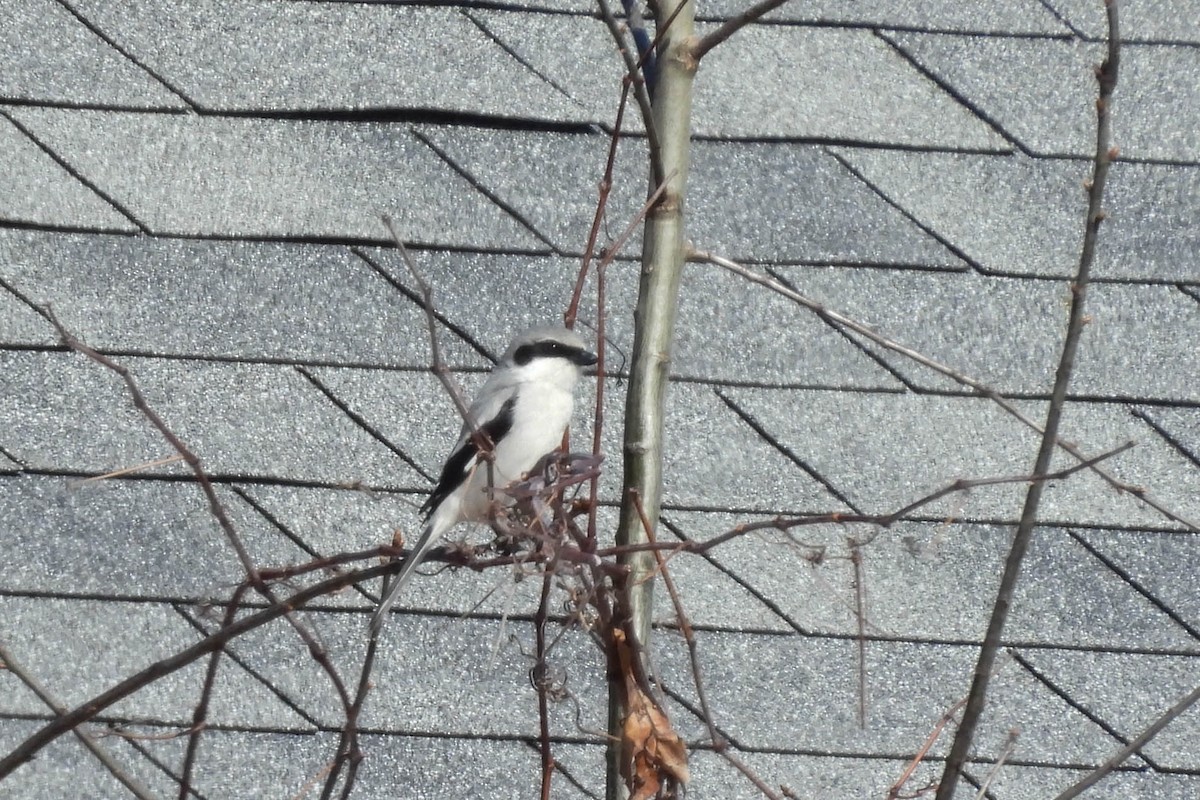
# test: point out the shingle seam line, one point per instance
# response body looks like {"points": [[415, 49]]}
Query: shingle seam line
{"points": [[74, 173], [361, 422], [108, 40], [415, 298]]}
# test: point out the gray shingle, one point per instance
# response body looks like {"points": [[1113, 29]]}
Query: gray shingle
{"points": [[1129, 693], [1152, 464], [248, 420], [1018, 782], [712, 459], [867, 92], [36, 190], [471, 674], [64, 768], [750, 333], [892, 456], [1142, 556], [1067, 596], [1024, 216], [551, 179], [1132, 348], [1182, 425], [320, 56], [450, 769], [1007, 332], [748, 330], [518, 292], [252, 763], [576, 53], [810, 693], [1021, 17], [224, 299], [1042, 91], [794, 203], [920, 581], [19, 324], [334, 521], [1151, 20], [259, 177], [52, 58], [170, 545], [40, 630], [809, 775]]}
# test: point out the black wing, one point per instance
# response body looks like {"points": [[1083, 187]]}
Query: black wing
{"points": [[459, 464]]}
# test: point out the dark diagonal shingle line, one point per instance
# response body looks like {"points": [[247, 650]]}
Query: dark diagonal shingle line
{"points": [[486, 192], [942, 240], [868, 352], [1136, 585], [264, 680], [289, 533], [695, 711], [362, 423], [1191, 291], [739, 580], [1078, 705], [87, 23], [518, 57], [766, 436], [5, 452], [145, 752], [567, 774], [1183, 450], [76, 174], [416, 298], [958, 97]]}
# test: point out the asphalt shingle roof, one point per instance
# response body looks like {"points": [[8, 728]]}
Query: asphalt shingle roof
{"points": [[196, 190]]}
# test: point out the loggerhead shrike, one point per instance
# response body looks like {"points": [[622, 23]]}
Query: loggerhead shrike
{"points": [[523, 407]]}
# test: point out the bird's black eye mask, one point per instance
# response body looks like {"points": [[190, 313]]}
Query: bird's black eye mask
{"points": [[551, 349]]}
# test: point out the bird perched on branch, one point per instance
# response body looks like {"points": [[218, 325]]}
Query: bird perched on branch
{"points": [[523, 408]]}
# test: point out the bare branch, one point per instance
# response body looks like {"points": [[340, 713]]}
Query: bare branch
{"points": [[1125, 752], [634, 82], [167, 666], [439, 365], [9, 662], [894, 791], [976, 699], [732, 26], [841, 321]]}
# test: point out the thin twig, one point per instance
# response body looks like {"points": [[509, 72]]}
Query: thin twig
{"points": [[732, 26], [1010, 744], [217, 509], [541, 683], [976, 699], [685, 627], [348, 747], [158, 462], [167, 666], [894, 791], [1125, 752], [840, 518], [749, 774], [841, 321], [860, 617], [439, 364], [635, 83], [139, 402]]}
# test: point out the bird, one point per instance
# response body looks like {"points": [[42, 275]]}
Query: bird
{"points": [[524, 407]]}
